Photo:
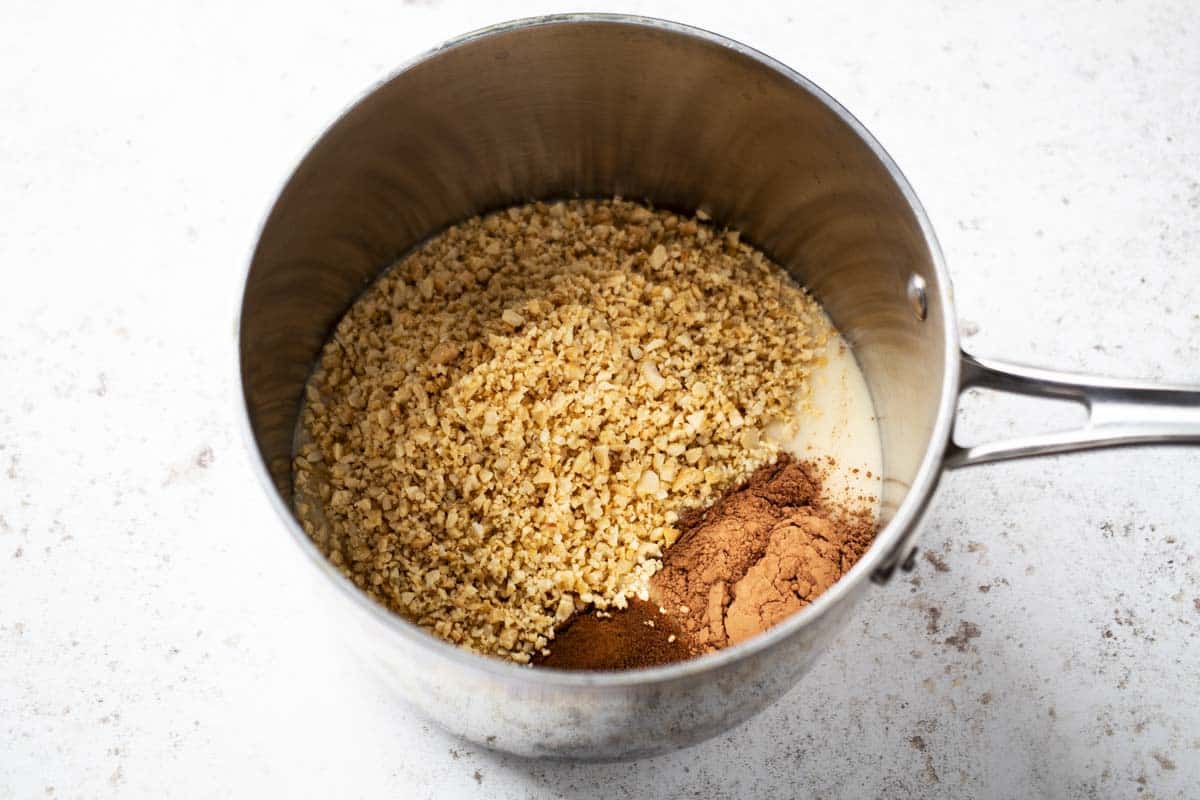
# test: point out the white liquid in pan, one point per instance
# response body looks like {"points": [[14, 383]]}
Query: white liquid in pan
{"points": [[837, 421]]}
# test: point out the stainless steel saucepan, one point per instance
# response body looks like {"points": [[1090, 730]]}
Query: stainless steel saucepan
{"points": [[598, 105]]}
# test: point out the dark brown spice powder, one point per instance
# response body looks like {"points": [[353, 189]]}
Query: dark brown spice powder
{"points": [[759, 554], [622, 640]]}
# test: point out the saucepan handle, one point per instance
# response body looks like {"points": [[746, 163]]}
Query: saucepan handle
{"points": [[1120, 412]]}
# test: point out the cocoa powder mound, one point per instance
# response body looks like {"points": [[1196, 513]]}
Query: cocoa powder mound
{"points": [[757, 555]]}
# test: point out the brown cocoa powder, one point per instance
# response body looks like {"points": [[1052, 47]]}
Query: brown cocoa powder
{"points": [[757, 555]]}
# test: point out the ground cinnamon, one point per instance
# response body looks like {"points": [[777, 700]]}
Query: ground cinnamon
{"points": [[640, 636], [759, 554]]}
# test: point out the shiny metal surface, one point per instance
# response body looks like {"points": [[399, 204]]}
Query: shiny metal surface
{"points": [[1120, 412], [601, 105]]}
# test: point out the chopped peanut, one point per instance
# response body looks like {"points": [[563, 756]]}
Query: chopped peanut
{"points": [[504, 428]]}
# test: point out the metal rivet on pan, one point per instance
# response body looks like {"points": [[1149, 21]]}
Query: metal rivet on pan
{"points": [[917, 296]]}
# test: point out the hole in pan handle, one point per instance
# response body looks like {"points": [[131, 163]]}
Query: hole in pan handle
{"points": [[1120, 412]]}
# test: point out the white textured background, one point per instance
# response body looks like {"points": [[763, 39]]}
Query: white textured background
{"points": [[157, 636]]}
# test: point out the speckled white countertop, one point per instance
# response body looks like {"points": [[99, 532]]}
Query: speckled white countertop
{"points": [[159, 638]]}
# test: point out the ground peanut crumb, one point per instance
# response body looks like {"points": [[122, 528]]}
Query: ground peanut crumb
{"points": [[504, 429]]}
